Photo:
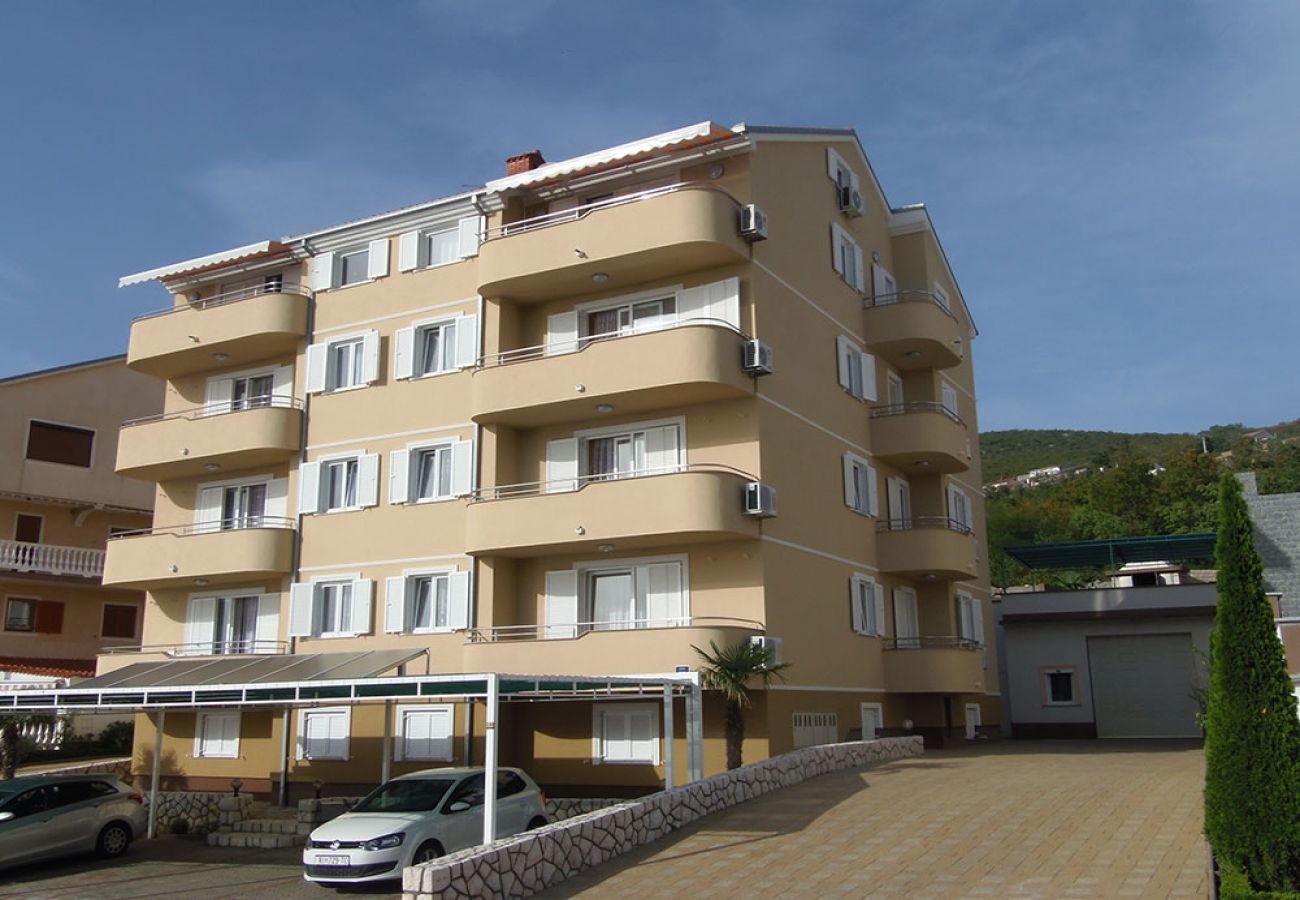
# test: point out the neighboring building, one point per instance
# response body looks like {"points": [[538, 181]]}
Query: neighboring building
{"points": [[1122, 659], [1276, 520], [529, 429], [60, 500]]}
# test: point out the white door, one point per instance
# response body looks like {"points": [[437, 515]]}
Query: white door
{"points": [[972, 720], [873, 719], [900, 503], [907, 633], [613, 600]]}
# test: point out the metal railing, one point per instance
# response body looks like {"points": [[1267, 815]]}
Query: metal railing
{"points": [[228, 297], [932, 642], [205, 648], [211, 526], [910, 297], [272, 401], [916, 406], [915, 523], [575, 630], [569, 485], [52, 559], [564, 348], [579, 212]]}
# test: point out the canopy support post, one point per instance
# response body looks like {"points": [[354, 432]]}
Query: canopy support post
{"points": [[157, 770], [386, 767], [669, 761], [284, 757], [490, 760], [695, 732]]}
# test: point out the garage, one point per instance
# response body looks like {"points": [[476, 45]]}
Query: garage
{"points": [[1142, 685]]}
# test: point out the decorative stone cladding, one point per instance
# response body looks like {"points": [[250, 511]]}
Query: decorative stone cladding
{"points": [[201, 811], [525, 864], [119, 767], [561, 808]]}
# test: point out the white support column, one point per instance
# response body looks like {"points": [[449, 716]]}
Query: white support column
{"points": [[490, 761], [469, 733], [157, 769], [695, 731], [669, 760], [284, 757], [386, 768]]}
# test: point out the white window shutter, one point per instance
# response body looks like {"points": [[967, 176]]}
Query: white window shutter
{"points": [[207, 509], [218, 396], [317, 359], [399, 476], [301, 597], [363, 591], [282, 386], [855, 605], [859, 275], [322, 272], [873, 492], [882, 285], [868, 363], [458, 604], [977, 620], [199, 626], [562, 465], [561, 604], [844, 357], [469, 236], [368, 479], [662, 448], [833, 161], [466, 341], [309, 487], [404, 353], [836, 263], [561, 333], [370, 357], [268, 624], [395, 604], [462, 468], [724, 301], [408, 251], [377, 259], [878, 598], [277, 499]]}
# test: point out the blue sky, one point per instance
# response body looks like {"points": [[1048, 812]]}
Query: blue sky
{"points": [[1117, 184]]}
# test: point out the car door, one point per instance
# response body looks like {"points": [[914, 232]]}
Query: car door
{"points": [[74, 814], [512, 805], [464, 827], [25, 837]]}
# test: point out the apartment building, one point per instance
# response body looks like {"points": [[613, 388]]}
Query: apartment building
{"points": [[60, 501], [707, 386]]}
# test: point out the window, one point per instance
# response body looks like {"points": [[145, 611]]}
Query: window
{"points": [[815, 729], [249, 390], [119, 620], [626, 318], [27, 528], [625, 733], [907, 621], [235, 623], [647, 593], [20, 614], [353, 266], [337, 606], [867, 610], [426, 472], [970, 619], [243, 506], [338, 483], [437, 246], [435, 348], [860, 491], [959, 512], [857, 370], [426, 601], [216, 735], [441, 247], [894, 389], [1058, 687], [846, 258], [948, 393], [323, 733], [840, 172], [941, 297], [344, 362], [425, 732], [248, 503], [624, 452], [334, 608], [884, 288], [66, 444]]}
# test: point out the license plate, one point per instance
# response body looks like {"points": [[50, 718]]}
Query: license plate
{"points": [[323, 860]]}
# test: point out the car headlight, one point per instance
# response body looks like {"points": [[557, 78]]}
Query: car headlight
{"points": [[385, 842]]}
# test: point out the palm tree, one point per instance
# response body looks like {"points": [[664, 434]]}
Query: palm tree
{"points": [[731, 671]]}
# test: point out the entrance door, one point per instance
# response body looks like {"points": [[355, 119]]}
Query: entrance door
{"points": [[972, 720], [613, 600], [873, 719]]}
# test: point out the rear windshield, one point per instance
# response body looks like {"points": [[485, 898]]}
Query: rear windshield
{"points": [[407, 795]]}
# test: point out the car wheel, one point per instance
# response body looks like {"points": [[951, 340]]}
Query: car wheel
{"points": [[427, 852], [537, 822], [113, 840]]}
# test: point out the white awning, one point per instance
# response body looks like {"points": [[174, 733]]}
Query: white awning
{"points": [[261, 248]]}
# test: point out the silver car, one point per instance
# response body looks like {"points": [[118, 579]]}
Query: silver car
{"points": [[44, 816]]}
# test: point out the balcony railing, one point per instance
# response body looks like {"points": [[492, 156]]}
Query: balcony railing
{"points": [[204, 648], [917, 406], [51, 559], [932, 642], [924, 522], [211, 526], [910, 297], [569, 485], [229, 297], [560, 348], [574, 630], [581, 212], [272, 401]]}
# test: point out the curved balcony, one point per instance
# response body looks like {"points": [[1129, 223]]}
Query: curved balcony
{"points": [[629, 239], [927, 547], [933, 665], [691, 504], [227, 330], [589, 649], [196, 555], [913, 330], [198, 441], [694, 362], [921, 438]]}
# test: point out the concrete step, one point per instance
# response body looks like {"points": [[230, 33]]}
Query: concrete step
{"points": [[261, 809], [271, 826], [255, 841]]}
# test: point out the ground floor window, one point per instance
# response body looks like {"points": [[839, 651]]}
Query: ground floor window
{"points": [[625, 733], [323, 733], [216, 735], [1058, 687], [119, 620], [813, 729], [425, 732]]}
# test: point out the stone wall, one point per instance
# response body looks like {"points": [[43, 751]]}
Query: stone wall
{"points": [[568, 807], [525, 864], [119, 767], [201, 812]]}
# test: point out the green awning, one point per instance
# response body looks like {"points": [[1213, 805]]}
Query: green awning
{"points": [[1111, 554]]}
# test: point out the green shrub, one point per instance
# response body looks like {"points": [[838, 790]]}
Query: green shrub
{"points": [[1235, 886], [117, 737]]}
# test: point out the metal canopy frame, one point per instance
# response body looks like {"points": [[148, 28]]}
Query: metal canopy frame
{"points": [[1114, 552]]}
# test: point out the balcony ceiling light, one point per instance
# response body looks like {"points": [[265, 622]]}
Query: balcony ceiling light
{"points": [[200, 582], [600, 277], [605, 548], [221, 357], [913, 354], [211, 467], [604, 407]]}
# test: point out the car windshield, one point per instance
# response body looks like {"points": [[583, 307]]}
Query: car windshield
{"points": [[406, 795]]}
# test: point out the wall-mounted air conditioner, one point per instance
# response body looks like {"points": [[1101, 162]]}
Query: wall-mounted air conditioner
{"points": [[753, 223], [851, 202], [757, 358], [760, 499], [769, 643]]}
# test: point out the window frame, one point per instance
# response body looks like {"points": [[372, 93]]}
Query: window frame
{"points": [[318, 608], [599, 741], [19, 515], [1044, 675], [356, 362], [434, 575], [201, 717], [135, 630], [424, 253], [90, 455], [870, 626], [31, 618], [419, 332], [629, 429], [586, 570], [870, 478], [327, 463], [307, 712], [340, 266], [400, 738]]}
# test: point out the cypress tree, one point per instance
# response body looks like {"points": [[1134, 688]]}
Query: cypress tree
{"points": [[1252, 733]]}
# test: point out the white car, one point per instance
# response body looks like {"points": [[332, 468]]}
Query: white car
{"points": [[417, 818]]}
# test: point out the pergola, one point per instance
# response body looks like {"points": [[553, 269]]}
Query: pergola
{"points": [[290, 682]]}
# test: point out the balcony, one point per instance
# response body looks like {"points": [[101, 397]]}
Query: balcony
{"points": [[636, 647], [932, 548], [688, 363], [912, 330], [51, 559], [120, 657], [227, 330], [630, 239], [206, 553], [933, 665], [689, 504], [920, 438], [199, 441]]}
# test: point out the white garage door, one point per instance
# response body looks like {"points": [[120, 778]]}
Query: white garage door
{"points": [[1142, 685]]}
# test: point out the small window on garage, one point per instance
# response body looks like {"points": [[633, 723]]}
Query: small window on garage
{"points": [[1059, 687], [49, 442]]}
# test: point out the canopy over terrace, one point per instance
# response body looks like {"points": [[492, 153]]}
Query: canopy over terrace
{"points": [[288, 682], [1114, 552]]}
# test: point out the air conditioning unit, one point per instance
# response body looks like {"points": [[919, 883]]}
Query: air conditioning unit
{"points": [[851, 202], [757, 358], [753, 223], [760, 499], [769, 643]]}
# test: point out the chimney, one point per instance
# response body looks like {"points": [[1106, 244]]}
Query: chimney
{"points": [[524, 162]]}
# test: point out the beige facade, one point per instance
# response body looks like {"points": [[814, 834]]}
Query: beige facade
{"points": [[60, 500], [515, 428]]}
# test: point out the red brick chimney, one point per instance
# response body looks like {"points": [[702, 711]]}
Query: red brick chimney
{"points": [[524, 162]]}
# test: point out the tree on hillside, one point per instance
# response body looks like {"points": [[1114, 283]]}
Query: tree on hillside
{"points": [[1184, 493], [730, 671], [1252, 733]]}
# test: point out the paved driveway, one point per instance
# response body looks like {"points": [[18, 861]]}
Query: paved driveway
{"points": [[1010, 819]]}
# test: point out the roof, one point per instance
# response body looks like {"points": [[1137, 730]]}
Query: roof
{"points": [[1114, 552], [66, 367], [49, 667], [250, 669], [221, 258]]}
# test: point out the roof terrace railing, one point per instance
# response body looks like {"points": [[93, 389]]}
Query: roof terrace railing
{"points": [[577, 345], [212, 526], [574, 630], [911, 297], [569, 485], [915, 523], [916, 406], [205, 648], [222, 408], [227, 297], [932, 642], [51, 559], [560, 217]]}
